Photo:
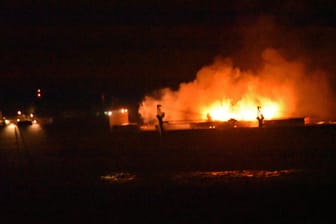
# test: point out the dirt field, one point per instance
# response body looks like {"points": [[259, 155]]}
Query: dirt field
{"points": [[72, 174]]}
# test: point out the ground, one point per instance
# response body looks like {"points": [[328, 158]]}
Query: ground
{"points": [[66, 174]]}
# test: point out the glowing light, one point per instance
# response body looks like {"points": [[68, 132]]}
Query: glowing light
{"points": [[271, 110], [38, 93], [119, 177], [220, 92], [109, 113], [245, 110], [210, 177], [19, 112], [31, 115], [11, 125]]}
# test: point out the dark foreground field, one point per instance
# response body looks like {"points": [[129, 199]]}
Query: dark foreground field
{"points": [[90, 174]]}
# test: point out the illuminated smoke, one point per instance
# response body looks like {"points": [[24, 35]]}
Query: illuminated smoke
{"points": [[222, 91]]}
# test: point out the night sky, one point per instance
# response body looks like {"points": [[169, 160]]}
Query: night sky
{"points": [[76, 51]]}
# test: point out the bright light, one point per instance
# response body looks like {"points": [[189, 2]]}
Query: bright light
{"points": [[19, 112], [38, 93], [7, 122], [12, 125], [244, 110], [109, 113], [18, 120], [31, 115]]}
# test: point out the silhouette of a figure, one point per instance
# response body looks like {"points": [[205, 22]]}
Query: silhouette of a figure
{"points": [[260, 117], [160, 115], [209, 118]]}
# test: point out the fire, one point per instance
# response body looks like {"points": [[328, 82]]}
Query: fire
{"points": [[221, 92], [245, 111]]}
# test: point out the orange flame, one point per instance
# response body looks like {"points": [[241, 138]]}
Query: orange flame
{"points": [[243, 110], [221, 92]]}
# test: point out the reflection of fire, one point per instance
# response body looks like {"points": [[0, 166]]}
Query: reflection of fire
{"points": [[221, 92]]}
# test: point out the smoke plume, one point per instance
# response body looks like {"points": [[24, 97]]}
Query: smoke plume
{"points": [[283, 88]]}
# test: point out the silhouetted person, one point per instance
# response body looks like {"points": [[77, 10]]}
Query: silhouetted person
{"points": [[160, 115], [209, 118], [260, 117]]}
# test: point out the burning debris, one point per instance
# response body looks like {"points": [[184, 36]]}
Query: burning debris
{"points": [[221, 92]]}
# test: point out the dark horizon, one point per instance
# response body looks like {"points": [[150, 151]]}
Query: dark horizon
{"points": [[123, 49]]}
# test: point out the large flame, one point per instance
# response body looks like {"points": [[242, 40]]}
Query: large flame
{"points": [[242, 110], [221, 92]]}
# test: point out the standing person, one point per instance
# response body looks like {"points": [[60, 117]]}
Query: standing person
{"points": [[160, 115], [260, 117]]}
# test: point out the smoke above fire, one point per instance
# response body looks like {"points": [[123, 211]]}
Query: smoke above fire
{"points": [[220, 91]]}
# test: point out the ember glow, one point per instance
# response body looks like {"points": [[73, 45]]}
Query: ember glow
{"points": [[221, 91]]}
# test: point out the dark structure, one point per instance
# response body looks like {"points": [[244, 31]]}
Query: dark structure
{"points": [[289, 122]]}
